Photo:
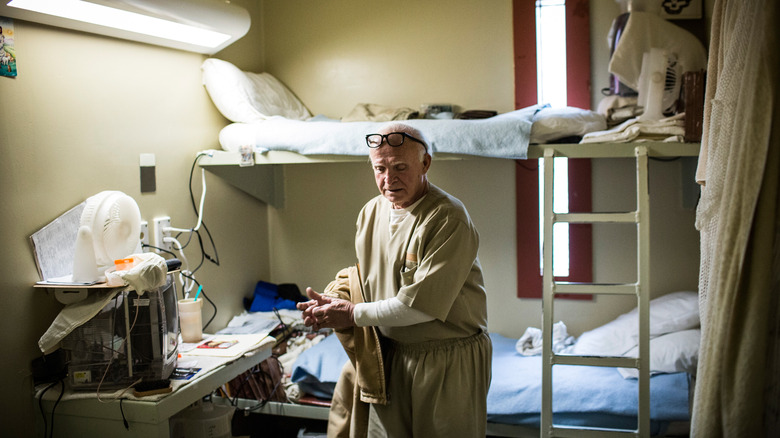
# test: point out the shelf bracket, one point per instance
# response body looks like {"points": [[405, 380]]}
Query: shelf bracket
{"points": [[266, 182]]}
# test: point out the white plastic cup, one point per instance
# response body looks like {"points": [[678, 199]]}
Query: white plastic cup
{"points": [[191, 320]]}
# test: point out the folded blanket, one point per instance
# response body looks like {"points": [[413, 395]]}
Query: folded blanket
{"points": [[378, 113], [668, 129]]}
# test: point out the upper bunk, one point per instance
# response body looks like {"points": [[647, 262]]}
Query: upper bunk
{"points": [[214, 158], [270, 128], [260, 174]]}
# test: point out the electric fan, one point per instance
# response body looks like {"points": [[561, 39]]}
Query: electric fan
{"points": [[110, 229], [651, 56], [659, 83]]}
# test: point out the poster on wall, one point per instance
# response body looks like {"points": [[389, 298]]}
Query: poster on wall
{"points": [[7, 51]]}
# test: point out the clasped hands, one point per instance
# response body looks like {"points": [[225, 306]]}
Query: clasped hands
{"points": [[322, 311]]}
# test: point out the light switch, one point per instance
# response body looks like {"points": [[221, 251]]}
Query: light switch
{"points": [[148, 176]]}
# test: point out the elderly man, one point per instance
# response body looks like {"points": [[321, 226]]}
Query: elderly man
{"points": [[422, 288]]}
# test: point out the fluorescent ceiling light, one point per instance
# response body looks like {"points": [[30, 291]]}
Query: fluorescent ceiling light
{"points": [[204, 26], [125, 20]]}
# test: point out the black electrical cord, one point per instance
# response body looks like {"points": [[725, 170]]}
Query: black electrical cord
{"points": [[40, 406], [54, 408], [205, 295], [121, 409], [214, 315], [234, 402], [276, 387], [159, 249], [202, 254], [257, 369], [214, 259], [282, 325], [46, 432], [187, 243]]}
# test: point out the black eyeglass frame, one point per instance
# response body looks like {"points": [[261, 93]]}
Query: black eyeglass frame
{"points": [[386, 139]]}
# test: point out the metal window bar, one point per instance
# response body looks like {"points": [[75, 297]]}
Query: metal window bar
{"points": [[639, 289]]}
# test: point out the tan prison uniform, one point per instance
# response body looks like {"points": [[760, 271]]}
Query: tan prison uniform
{"points": [[438, 371]]}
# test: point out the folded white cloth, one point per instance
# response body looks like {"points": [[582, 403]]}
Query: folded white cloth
{"points": [[72, 316], [668, 129], [148, 273], [530, 344], [550, 124], [292, 390]]}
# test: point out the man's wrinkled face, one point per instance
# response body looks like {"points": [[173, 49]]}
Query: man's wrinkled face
{"points": [[400, 173]]}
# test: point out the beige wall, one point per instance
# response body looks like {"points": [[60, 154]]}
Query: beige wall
{"points": [[74, 123], [336, 54], [84, 107]]}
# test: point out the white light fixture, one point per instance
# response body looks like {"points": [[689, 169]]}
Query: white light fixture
{"points": [[203, 26]]}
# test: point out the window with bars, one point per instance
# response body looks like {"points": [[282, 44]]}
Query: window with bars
{"points": [[552, 66]]}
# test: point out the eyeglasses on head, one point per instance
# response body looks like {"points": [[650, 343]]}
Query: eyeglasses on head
{"points": [[394, 139]]}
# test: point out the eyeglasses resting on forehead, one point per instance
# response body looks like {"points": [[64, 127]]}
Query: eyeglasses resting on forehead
{"points": [[393, 139]]}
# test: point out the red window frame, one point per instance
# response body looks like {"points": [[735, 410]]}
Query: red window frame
{"points": [[529, 277]]}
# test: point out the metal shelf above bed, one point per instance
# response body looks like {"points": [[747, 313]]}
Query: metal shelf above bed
{"points": [[264, 178]]}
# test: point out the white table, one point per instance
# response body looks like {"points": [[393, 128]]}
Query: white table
{"points": [[81, 414]]}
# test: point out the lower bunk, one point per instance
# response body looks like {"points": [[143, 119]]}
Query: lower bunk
{"points": [[596, 397], [296, 384]]}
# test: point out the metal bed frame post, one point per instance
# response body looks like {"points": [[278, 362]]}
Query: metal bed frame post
{"points": [[641, 217], [643, 287], [547, 296]]}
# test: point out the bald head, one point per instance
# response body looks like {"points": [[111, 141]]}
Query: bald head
{"points": [[413, 132], [401, 170]]}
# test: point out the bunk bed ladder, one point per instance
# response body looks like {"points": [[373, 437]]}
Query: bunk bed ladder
{"points": [[640, 289]]}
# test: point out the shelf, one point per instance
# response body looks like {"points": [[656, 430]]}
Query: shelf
{"points": [[278, 408], [616, 150], [265, 179]]}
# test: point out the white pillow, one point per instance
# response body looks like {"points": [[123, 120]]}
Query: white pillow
{"points": [[551, 124], [668, 313], [671, 353], [249, 97]]}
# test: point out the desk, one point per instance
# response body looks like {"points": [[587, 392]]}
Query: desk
{"points": [[83, 415]]}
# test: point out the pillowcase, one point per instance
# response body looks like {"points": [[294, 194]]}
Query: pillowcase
{"points": [[610, 339], [671, 353], [551, 124], [668, 313], [249, 97]]}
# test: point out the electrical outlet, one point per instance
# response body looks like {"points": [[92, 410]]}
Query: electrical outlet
{"points": [[160, 223], [144, 236]]}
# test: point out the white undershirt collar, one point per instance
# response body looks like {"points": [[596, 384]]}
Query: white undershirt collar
{"points": [[397, 215]]}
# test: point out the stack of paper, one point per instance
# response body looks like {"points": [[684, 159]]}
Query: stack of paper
{"points": [[225, 345]]}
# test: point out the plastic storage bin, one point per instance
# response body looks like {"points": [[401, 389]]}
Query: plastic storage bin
{"points": [[202, 420]]}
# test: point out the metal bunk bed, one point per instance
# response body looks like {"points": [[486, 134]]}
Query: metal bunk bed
{"points": [[266, 171]]}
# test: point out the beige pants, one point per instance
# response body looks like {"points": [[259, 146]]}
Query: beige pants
{"points": [[436, 389]]}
